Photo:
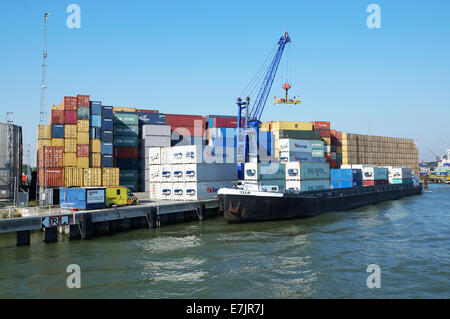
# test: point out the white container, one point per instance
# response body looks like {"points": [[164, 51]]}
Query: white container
{"points": [[295, 156], [166, 191], [178, 190], [155, 191], [292, 145], [400, 173], [154, 141], [166, 173], [177, 173], [155, 130], [296, 171], [374, 173], [308, 185], [261, 171], [204, 190], [269, 185], [154, 175], [209, 172], [157, 155]]}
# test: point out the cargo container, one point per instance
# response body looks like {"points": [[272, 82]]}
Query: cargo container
{"points": [[96, 108], [296, 156], [51, 177], [155, 191], [92, 177], [317, 153], [402, 181], [70, 131], [155, 141], [262, 171], [204, 190], [306, 171], [82, 150], [95, 146], [126, 163], [152, 118], [82, 198], [73, 177], [188, 131], [95, 160], [126, 152], [208, 172], [271, 185], [325, 133], [131, 185], [107, 112], [83, 138], [321, 125], [126, 130], [82, 100], [107, 136], [57, 130], [155, 130], [57, 117], [124, 109], [126, 141], [83, 113], [95, 120], [308, 185], [95, 132], [58, 142], [375, 173], [70, 159], [42, 143], [293, 145], [222, 121], [146, 111], [83, 126], [44, 132], [186, 141], [70, 117], [107, 160], [69, 103], [107, 124], [51, 157], [129, 174], [300, 135], [107, 148], [181, 120], [375, 182], [280, 125], [110, 176], [83, 162], [125, 118]]}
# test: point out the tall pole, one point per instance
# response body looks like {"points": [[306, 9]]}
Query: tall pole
{"points": [[44, 72]]}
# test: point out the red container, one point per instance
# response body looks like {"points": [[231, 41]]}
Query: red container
{"points": [[376, 182], [178, 120], [50, 157], [321, 125], [339, 136], [188, 131], [126, 152], [82, 150], [327, 157], [82, 100], [57, 117], [51, 177], [70, 117], [324, 133], [69, 103], [333, 164], [221, 121], [147, 111]]}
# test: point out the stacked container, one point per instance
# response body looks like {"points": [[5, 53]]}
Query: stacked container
{"points": [[50, 166], [307, 176], [186, 129], [372, 175], [126, 150], [345, 178], [268, 176], [400, 175]]}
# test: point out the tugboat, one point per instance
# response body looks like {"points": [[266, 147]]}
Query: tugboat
{"points": [[249, 202]]}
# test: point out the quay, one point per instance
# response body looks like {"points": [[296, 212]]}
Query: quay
{"points": [[87, 224]]}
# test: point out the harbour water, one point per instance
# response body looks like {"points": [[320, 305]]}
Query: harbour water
{"points": [[321, 257]]}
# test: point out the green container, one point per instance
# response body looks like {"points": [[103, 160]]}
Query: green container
{"points": [[126, 130], [126, 141], [317, 145], [126, 118], [129, 175], [402, 181], [132, 185], [317, 153], [300, 135]]}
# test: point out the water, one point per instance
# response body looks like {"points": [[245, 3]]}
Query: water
{"points": [[321, 257]]}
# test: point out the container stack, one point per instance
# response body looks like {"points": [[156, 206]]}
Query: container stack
{"points": [[126, 149], [371, 175], [186, 129], [345, 178], [50, 166], [400, 175], [323, 128], [153, 135], [182, 173], [268, 176], [301, 150], [307, 176], [221, 130]]}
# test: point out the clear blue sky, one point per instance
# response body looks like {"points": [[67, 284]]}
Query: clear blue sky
{"points": [[196, 57]]}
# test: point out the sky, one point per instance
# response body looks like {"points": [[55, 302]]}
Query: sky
{"points": [[196, 57]]}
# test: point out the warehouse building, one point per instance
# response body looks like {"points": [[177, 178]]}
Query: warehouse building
{"points": [[11, 153]]}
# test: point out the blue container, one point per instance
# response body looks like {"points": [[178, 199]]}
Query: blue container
{"points": [[96, 107], [107, 148], [335, 175], [95, 121], [107, 136], [152, 118], [57, 130], [107, 124], [107, 112], [107, 160], [341, 184], [95, 132], [357, 175], [83, 113], [82, 198], [358, 183], [127, 163]]}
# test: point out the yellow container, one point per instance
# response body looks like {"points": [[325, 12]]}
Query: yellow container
{"points": [[73, 176], [70, 145], [110, 176], [83, 138], [70, 131], [58, 142], [70, 160], [42, 143], [44, 132], [83, 162], [95, 146], [123, 109], [95, 159], [281, 125], [92, 177], [83, 126], [57, 107]]}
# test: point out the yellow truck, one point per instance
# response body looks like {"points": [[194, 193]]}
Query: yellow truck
{"points": [[120, 196]]}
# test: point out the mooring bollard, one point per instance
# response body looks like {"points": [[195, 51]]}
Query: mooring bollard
{"points": [[51, 234], [86, 226], [23, 238]]}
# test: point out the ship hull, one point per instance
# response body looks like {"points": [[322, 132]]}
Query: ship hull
{"points": [[245, 206]]}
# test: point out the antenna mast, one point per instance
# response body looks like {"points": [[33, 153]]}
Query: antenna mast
{"points": [[43, 112]]}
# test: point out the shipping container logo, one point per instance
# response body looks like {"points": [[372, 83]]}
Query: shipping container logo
{"points": [[212, 189]]}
